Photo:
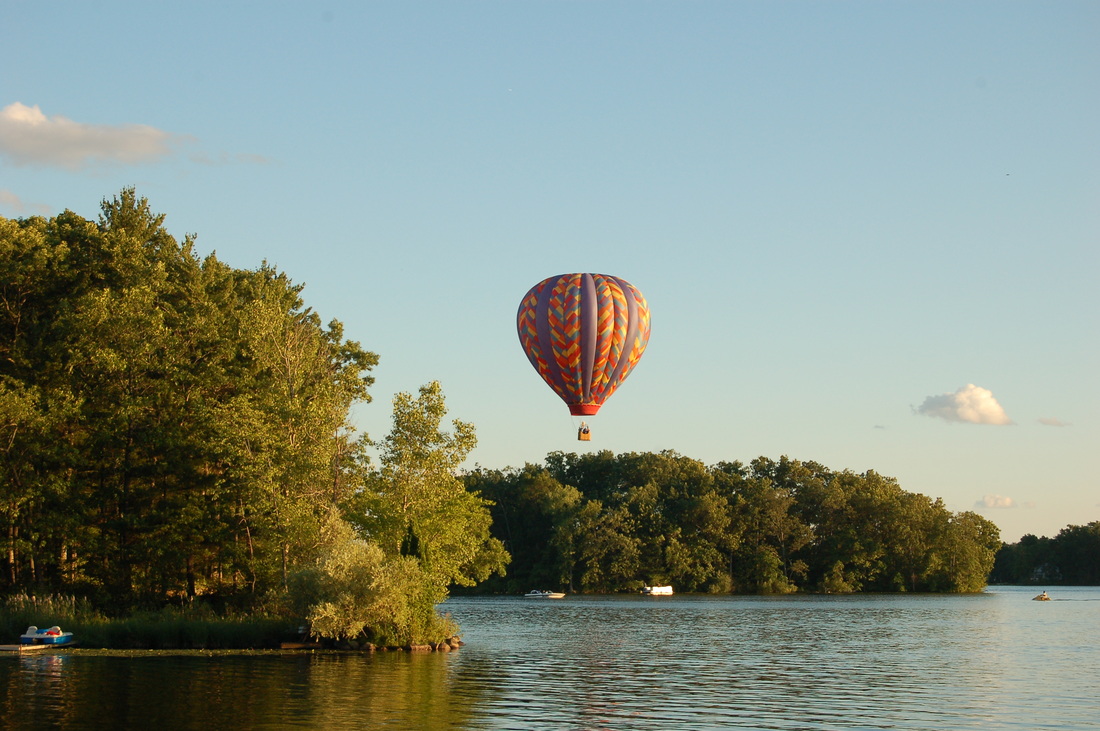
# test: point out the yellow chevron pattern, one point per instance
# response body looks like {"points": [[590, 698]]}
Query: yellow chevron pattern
{"points": [[561, 354]]}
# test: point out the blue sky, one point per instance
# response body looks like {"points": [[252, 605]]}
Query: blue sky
{"points": [[867, 231]]}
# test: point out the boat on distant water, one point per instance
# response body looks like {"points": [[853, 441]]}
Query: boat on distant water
{"points": [[542, 594], [656, 590], [1044, 597], [52, 636]]}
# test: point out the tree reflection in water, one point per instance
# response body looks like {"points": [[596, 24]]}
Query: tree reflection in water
{"points": [[208, 691]]}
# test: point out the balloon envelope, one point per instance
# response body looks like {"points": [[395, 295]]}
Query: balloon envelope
{"points": [[583, 333]]}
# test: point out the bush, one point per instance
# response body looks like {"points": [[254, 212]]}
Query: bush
{"points": [[355, 591]]}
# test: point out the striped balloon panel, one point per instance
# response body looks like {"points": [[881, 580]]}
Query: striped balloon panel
{"points": [[583, 333]]}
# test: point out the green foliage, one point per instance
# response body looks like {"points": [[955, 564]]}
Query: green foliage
{"points": [[354, 590], [602, 523], [416, 498], [1072, 557], [1077, 553], [171, 427]]}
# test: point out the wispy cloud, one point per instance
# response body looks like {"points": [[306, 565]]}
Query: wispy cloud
{"points": [[30, 138], [1051, 421], [14, 203], [225, 158], [995, 501], [970, 404]]}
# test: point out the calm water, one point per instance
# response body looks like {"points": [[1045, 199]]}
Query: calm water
{"points": [[995, 660]]}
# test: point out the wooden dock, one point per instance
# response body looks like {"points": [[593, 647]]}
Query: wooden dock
{"points": [[26, 649], [22, 648]]}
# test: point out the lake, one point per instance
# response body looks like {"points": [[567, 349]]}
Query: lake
{"points": [[986, 661]]}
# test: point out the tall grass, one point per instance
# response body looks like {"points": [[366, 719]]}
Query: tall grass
{"points": [[193, 628], [19, 611]]}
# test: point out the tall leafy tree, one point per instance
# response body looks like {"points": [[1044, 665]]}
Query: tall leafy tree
{"points": [[416, 497], [1077, 553], [176, 426], [535, 517]]}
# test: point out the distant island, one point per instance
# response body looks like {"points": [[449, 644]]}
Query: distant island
{"points": [[609, 523], [1071, 558]]}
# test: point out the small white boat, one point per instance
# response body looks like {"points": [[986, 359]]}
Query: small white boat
{"points": [[539, 594], [656, 590], [52, 636], [1044, 597]]}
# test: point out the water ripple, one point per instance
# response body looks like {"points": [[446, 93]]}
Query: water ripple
{"points": [[790, 663], [990, 661]]}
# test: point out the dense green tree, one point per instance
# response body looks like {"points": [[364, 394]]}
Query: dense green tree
{"points": [[529, 510], [1029, 561], [408, 533], [1071, 557], [416, 495], [601, 522], [174, 426], [1076, 552], [965, 553]]}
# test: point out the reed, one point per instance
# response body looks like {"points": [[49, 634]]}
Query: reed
{"points": [[19, 611], [171, 628]]}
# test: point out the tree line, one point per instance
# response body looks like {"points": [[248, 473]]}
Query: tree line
{"points": [[173, 427], [1070, 558], [605, 523]]}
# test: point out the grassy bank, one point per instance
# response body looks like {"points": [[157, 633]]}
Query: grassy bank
{"points": [[194, 628]]}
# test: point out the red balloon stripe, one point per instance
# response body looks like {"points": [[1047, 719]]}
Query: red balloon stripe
{"points": [[583, 334]]}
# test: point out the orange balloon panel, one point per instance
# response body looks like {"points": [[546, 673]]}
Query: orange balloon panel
{"points": [[583, 333]]}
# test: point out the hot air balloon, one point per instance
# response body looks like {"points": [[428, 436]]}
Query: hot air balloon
{"points": [[583, 333]]}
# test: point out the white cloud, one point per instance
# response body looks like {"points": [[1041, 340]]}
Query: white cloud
{"points": [[29, 137], [970, 404], [995, 501], [1051, 421], [13, 202]]}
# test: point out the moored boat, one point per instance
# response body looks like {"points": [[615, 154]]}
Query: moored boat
{"points": [[656, 590], [541, 594], [51, 636]]}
